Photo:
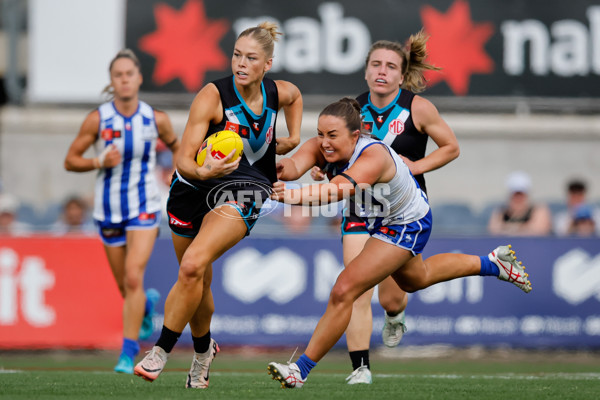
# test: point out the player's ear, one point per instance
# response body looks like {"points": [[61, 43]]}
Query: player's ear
{"points": [[268, 64]]}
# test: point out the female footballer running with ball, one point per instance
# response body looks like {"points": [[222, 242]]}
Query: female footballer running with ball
{"points": [[202, 229]]}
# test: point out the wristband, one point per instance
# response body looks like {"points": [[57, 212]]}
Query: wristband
{"points": [[103, 154]]}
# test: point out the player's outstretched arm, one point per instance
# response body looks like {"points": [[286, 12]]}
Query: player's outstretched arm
{"points": [[307, 156]]}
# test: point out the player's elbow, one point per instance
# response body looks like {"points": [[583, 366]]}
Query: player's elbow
{"points": [[68, 165], [454, 152]]}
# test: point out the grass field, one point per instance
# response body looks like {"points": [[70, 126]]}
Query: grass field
{"points": [[407, 373]]}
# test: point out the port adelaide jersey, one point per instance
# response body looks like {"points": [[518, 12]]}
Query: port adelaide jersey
{"points": [[394, 126], [257, 131]]}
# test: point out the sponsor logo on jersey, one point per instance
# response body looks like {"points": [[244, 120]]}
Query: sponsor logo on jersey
{"points": [[368, 126], [396, 127], [108, 134], [241, 130], [269, 137]]}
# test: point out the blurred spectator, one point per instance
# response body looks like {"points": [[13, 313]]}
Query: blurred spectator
{"points": [[9, 225], [519, 216], [582, 223], [564, 221], [74, 218]]}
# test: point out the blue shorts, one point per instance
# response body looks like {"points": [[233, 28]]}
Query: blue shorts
{"points": [[412, 237], [114, 234]]}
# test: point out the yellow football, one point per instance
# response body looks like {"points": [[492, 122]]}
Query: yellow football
{"points": [[223, 142]]}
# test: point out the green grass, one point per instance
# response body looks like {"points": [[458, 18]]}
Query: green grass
{"points": [[457, 375]]}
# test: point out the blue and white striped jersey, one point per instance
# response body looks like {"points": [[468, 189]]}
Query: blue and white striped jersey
{"points": [[397, 202], [129, 189]]}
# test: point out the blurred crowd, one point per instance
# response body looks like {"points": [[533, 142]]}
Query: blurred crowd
{"points": [[522, 216]]}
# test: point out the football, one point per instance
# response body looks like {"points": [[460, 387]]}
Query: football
{"points": [[223, 142]]}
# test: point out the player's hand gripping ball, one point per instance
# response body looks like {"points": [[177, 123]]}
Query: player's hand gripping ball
{"points": [[223, 142]]}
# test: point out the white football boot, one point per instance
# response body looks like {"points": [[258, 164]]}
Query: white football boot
{"points": [[152, 365], [198, 376], [288, 375], [393, 329], [361, 374], [511, 270]]}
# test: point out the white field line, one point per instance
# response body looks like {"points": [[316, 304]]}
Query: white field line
{"points": [[582, 376]]}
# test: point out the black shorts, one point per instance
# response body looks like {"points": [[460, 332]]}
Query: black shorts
{"points": [[352, 224], [187, 205]]}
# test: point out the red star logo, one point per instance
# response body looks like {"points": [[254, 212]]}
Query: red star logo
{"points": [[185, 44], [456, 44]]}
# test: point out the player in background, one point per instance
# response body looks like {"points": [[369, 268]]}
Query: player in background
{"points": [[394, 114], [396, 214], [246, 102], [124, 133]]}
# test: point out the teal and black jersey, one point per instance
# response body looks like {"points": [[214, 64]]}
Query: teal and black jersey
{"points": [[257, 132], [394, 126]]}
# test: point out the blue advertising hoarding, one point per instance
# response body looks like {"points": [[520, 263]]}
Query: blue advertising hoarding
{"points": [[273, 291]]}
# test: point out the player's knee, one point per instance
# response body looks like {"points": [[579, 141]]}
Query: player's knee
{"points": [[133, 281], [413, 285], [193, 265], [391, 301], [387, 302], [340, 293], [190, 270]]}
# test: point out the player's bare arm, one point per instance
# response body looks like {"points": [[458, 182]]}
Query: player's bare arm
{"points": [[290, 99], [373, 166], [206, 108], [166, 132], [76, 162], [427, 120], [301, 161]]}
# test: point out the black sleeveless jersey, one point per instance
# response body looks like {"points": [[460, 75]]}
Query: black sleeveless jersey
{"points": [[257, 132], [394, 126]]}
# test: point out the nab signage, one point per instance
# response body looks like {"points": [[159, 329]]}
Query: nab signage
{"points": [[482, 47]]}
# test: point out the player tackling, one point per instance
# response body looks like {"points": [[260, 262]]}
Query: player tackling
{"points": [[398, 218]]}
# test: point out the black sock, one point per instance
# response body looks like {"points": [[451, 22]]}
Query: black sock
{"points": [[167, 339], [201, 343], [359, 358]]}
